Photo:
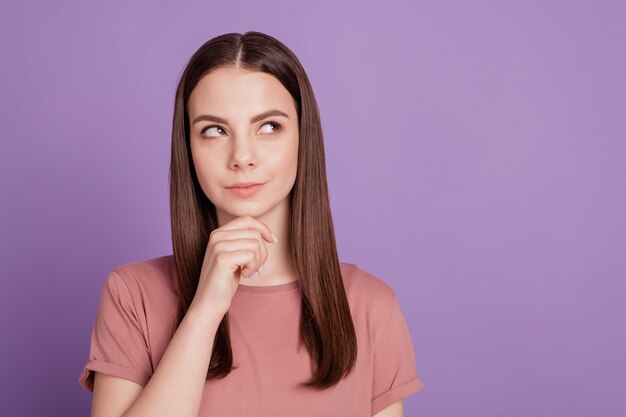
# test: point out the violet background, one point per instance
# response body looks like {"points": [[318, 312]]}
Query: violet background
{"points": [[476, 162]]}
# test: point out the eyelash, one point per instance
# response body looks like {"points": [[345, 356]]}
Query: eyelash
{"points": [[277, 128]]}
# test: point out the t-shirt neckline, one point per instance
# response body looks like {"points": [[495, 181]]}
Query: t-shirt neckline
{"points": [[292, 286]]}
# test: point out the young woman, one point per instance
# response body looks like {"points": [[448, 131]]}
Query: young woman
{"points": [[253, 314]]}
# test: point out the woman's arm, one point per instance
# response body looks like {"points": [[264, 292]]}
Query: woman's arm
{"points": [[394, 410], [175, 388]]}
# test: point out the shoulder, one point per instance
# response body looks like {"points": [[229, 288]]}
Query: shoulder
{"points": [[366, 291], [152, 277]]}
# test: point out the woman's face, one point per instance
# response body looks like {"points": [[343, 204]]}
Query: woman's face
{"points": [[232, 141]]}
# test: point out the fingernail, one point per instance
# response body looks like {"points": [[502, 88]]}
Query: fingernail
{"points": [[255, 275], [261, 268], [274, 237]]}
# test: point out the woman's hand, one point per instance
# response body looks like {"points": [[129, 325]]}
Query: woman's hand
{"points": [[237, 249]]}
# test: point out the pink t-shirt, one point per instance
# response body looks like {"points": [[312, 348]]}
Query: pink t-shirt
{"points": [[136, 314]]}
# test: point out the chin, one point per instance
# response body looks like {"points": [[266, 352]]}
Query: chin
{"points": [[241, 208]]}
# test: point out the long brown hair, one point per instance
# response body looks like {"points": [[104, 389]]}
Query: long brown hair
{"points": [[326, 326]]}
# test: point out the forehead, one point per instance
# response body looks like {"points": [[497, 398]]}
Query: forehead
{"points": [[235, 91]]}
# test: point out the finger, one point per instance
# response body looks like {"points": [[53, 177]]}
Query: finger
{"points": [[248, 222], [227, 235], [239, 259], [251, 244]]}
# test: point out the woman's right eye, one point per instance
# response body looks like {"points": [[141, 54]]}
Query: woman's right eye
{"points": [[202, 132]]}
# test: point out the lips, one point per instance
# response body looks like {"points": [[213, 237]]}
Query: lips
{"points": [[244, 184], [245, 189]]}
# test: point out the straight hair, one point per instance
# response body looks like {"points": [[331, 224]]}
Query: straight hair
{"points": [[326, 326]]}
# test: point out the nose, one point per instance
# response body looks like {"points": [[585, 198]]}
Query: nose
{"points": [[242, 153]]}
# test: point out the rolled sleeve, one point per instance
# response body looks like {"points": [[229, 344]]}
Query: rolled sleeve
{"points": [[118, 343], [395, 372]]}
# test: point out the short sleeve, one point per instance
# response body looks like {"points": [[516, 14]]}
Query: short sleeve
{"points": [[395, 372], [118, 344]]}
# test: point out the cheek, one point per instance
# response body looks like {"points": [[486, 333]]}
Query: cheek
{"points": [[284, 160], [204, 172], [289, 165]]}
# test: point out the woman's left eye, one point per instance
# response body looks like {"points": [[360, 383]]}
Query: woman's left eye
{"points": [[276, 126]]}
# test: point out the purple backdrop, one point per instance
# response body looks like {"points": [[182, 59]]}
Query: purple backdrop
{"points": [[476, 160]]}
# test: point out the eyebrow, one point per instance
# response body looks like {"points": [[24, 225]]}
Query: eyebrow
{"points": [[256, 118]]}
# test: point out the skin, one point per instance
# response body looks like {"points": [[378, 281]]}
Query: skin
{"points": [[240, 151]]}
